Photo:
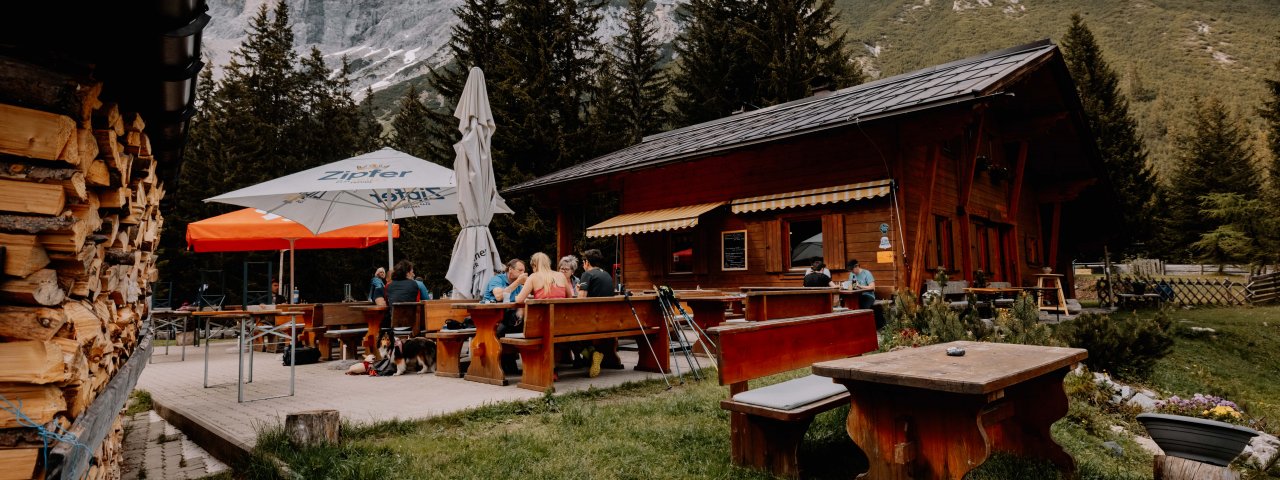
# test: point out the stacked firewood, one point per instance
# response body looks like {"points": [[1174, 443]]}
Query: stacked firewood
{"points": [[79, 226]]}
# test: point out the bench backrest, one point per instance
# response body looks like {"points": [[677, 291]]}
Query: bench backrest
{"points": [[572, 316], [955, 287], [747, 351], [332, 315], [440, 311], [771, 304]]}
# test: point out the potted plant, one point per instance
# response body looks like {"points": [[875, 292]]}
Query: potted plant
{"points": [[1138, 286], [1199, 439]]}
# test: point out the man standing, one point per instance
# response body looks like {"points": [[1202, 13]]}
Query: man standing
{"points": [[861, 279], [596, 282]]}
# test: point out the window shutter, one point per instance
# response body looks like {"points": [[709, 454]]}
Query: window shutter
{"points": [[833, 240], [774, 248], [701, 251]]}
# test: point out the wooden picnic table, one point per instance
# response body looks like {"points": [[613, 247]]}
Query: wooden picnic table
{"points": [[710, 312], [486, 350], [775, 302], [993, 290], [919, 413], [849, 297], [373, 316]]}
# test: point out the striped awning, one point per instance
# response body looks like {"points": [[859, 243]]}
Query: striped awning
{"points": [[651, 221], [817, 196]]}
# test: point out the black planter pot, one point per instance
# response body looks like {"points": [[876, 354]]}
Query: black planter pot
{"points": [[1208, 441]]}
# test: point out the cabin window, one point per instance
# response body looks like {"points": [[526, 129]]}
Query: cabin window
{"points": [[991, 251], [943, 246], [804, 236], [681, 252]]}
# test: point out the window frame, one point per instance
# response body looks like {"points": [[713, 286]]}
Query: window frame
{"points": [[787, 267], [670, 261], [944, 248]]}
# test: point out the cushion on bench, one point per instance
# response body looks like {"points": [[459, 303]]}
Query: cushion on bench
{"points": [[791, 394]]}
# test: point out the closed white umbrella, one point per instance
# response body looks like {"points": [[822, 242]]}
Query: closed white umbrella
{"points": [[475, 256], [381, 185]]}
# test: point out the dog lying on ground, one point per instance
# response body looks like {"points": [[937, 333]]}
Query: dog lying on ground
{"points": [[361, 368], [420, 350]]}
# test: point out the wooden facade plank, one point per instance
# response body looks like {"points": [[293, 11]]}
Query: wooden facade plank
{"points": [[926, 211]]}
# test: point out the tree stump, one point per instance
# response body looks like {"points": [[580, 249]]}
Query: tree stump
{"points": [[312, 427], [1177, 468]]}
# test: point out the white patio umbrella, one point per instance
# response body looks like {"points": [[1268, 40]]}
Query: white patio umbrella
{"points": [[475, 256], [381, 185]]}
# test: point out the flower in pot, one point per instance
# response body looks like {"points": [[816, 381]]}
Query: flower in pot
{"points": [[1202, 440]]}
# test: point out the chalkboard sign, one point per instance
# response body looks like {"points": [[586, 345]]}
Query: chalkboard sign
{"points": [[733, 250]]}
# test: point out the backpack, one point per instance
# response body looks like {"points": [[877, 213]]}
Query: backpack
{"points": [[383, 368], [303, 354]]}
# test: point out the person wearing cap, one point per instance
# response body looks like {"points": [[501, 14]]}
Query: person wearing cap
{"points": [[861, 278]]}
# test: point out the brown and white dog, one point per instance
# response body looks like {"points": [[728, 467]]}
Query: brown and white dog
{"points": [[418, 349]]}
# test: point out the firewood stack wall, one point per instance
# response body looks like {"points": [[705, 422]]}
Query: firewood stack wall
{"points": [[79, 226]]}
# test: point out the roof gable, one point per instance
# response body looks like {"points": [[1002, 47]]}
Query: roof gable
{"points": [[934, 86]]}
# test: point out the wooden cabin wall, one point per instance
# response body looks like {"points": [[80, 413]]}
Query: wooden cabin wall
{"points": [[819, 161]]}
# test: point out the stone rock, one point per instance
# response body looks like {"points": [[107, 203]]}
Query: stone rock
{"points": [[1148, 444], [1142, 401], [1114, 448], [1262, 451]]}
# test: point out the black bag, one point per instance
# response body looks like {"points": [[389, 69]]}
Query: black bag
{"points": [[302, 354], [384, 368]]}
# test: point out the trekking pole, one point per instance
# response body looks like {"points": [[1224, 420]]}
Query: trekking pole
{"points": [[668, 296], [627, 296], [702, 333], [671, 324]]}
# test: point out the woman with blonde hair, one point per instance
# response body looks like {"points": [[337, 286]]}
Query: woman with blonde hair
{"points": [[544, 282]]}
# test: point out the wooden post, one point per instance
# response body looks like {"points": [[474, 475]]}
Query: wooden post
{"points": [[1055, 231], [564, 234], [918, 264], [1177, 468], [969, 167], [312, 427], [1015, 197]]}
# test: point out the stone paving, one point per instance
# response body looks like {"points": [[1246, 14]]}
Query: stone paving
{"points": [[177, 386], [154, 449]]}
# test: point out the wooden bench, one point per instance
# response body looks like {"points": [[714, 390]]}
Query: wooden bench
{"points": [[772, 303], [562, 320], [711, 312], [338, 321], [767, 424], [449, 350]]}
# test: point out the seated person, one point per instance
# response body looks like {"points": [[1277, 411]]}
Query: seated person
{"points": [[402, 288], [861, 279], [545, 282], [277, 295], [824, 270], [815, 277], [596, 282], [504, 286]]}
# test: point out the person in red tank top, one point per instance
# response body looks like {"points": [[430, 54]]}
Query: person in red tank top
{"points": [[544, 282]]}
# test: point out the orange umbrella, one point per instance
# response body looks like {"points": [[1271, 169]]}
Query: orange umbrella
{"points": [[250, 230]]}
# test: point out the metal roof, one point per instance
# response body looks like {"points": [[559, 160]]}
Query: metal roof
{"points": [[930, 87]]}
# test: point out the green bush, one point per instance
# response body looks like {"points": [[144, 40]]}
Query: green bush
{"points": [[1125, 346]]}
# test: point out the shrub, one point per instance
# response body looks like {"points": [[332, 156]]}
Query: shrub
{"points": [[1127, 347]]}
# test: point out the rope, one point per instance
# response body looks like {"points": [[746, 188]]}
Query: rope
{"points": [[59, 434]]}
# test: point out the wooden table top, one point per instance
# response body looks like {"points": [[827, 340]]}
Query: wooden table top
{"points": [[214, 313], [851, 291], [985, 367], [771, 289], [485, 306], [369, 307], [718, 298], [992, 290], [796, 291]]}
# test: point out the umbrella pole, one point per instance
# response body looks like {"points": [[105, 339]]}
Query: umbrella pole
{"points": [[292, 286], [390, 245]]}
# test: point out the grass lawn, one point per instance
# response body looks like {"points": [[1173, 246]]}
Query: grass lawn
{"points": [[645, 431]]}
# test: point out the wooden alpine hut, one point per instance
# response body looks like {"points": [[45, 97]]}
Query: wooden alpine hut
{"points": [[982, 163]]}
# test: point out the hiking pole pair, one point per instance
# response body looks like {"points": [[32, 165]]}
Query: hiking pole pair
{"points": [[627, 296], [670, 295], [672, 328], [669, 313]]}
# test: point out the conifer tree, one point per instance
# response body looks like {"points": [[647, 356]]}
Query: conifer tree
{"points": [[640, 83], [1213, 158], [1270, 113], [270, 115], [799, 46], [737, 54], [474, 43], [1123, 154], [409, 126]]}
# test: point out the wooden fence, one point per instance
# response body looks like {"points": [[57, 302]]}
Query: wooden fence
{"points": [[1181, 291], [1263, 288]]}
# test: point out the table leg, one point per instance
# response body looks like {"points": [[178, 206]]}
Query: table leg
{"points": [[486, 350], [448, 357], [660, 342], [915, 433], [372, 319]]}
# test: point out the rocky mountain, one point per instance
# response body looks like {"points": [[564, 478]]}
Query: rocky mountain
{"points": [[1167, 51]]}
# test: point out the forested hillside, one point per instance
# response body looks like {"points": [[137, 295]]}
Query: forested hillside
{"points": [[1166, 51]]}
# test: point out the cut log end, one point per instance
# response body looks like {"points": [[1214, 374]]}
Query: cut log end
{"points": [[313, 427]]}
